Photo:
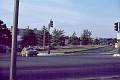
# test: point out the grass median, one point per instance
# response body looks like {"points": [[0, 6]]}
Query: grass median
{"points": [[72, 48]]}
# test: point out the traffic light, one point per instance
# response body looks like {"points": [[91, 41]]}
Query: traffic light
{"points": [[51, 23], [4, 26], [116, 26], [1, 22]]}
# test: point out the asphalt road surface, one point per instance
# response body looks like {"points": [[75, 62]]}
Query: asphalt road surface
{"points": [[98, 50], [63, 67]]}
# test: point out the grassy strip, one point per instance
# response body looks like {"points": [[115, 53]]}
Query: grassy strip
{"points": [[70, 49], [114, 51]]}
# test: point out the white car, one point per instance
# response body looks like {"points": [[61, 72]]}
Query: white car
{"points": [[29, 52]]}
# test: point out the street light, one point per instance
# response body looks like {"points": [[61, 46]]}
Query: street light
{"points": [[14, 41]]}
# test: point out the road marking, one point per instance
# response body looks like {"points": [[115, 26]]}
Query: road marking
{"points": [[116, 55]]}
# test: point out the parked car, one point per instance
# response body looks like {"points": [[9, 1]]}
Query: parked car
{"points": [[29, 52]]}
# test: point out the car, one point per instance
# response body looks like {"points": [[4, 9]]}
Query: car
{"points": [[29, 52]]}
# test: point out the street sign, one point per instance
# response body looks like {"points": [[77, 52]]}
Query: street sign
{"points": [[118, 36]]}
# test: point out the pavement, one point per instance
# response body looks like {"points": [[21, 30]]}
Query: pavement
{"points": [[86, 65]]}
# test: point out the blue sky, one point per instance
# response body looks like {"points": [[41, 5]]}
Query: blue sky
{"points": [[97, 16]]}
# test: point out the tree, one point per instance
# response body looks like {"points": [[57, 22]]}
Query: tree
{"points": [[74, 40], [29, 39], [86, 37], [57, 36], [5, 35], [43, 32], [96, 42]]}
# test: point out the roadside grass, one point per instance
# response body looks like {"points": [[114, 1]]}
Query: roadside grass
{"points": [[72, 48], [114, 51]]}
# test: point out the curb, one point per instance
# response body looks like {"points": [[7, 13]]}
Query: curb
{"points": [[51, 54]]}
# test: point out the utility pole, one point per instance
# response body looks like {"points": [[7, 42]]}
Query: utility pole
{"points": [[44, 37], [14, 41]]}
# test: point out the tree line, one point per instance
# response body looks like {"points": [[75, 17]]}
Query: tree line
{"points": [[5, 34], [43, 37], [57, 38]]}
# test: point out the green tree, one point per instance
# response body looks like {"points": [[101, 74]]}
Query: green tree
{"points": [[74, 40], [5, 35], [57, 36], [43, 32], [29, 39], [86, 37]]}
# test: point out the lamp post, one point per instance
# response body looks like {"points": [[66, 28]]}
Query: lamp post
{"points": [[14, 41]]}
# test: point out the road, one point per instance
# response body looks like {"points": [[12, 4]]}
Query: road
{"points": [[63, 67], [98, 50]]}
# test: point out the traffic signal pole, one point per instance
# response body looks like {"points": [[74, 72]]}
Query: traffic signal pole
{"points": [[44, 37], [49, 25], [117, 29], [14, 41], [118, 39], [48, 39]]}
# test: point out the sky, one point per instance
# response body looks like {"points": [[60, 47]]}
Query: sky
{"points": [[98, 16]]}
